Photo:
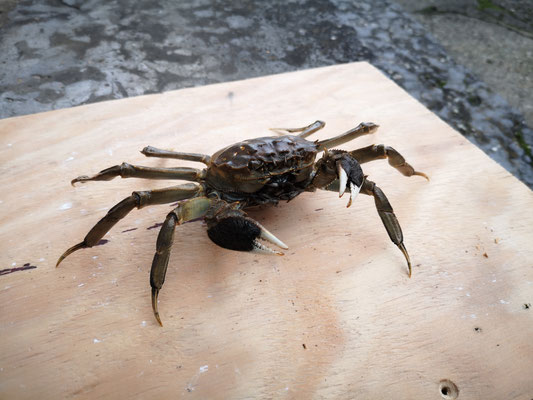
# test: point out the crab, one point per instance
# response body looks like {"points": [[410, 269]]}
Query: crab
{"points": [[250, 173]]}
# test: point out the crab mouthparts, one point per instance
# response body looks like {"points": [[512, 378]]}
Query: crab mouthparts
{"points": [[267, 236]]}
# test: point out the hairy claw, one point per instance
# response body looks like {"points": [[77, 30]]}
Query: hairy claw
{"points": [[345, 182], [233, 229]]}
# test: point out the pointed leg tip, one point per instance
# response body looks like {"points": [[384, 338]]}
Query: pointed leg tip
{"points": [[82, 179], [78, 246], [59, 261], [155, 293], [422, 175], [406, 254]]}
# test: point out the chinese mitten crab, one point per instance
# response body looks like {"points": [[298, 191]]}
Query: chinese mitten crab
{"points": [[249, 173]]}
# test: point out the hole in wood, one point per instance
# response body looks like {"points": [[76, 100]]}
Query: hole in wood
{"points": [[448, 390]]}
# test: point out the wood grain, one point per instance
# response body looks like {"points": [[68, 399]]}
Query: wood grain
{"points": [[236, 324]]}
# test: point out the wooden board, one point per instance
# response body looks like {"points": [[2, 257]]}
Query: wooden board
{"points": [[336, 317]]}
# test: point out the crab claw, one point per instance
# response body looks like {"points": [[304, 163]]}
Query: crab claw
{"points": [[269, 237], [350, 176], [233, 230], [343, 179]]}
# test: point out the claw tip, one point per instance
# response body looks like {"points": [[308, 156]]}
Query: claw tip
{"points": [[422, 174], [82, 178], [155, 293], [78, 246], [404, 251]]}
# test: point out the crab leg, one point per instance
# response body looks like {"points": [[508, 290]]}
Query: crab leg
{"points": [[126, 170], [387, 216], [187, 210], [228, 227], [385, 212], [137, 199], [380, 151], [150, 151], [305, 131], [364, 128]]}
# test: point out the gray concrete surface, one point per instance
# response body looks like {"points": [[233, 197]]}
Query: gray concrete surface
{"points": [[494, 40], [56, 54]]}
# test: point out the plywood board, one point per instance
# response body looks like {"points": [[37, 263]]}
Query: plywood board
{"points": [[336, 317]]}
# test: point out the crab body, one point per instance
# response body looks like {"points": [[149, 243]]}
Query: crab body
{"points": [[262, 170], [253, 172]]}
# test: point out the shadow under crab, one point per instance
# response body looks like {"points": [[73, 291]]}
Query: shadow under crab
{"points": [[253, 172]]}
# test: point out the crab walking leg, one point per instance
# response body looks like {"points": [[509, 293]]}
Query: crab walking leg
{"points": [[364, 128], [387, 216], [385, 212], [305, 131], [185, 211], [126, 170], [380, 151], [150, 151], [137, 199]]}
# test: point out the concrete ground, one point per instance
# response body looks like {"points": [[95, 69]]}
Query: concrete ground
{"points": [[494, 40], [468, 61]]}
